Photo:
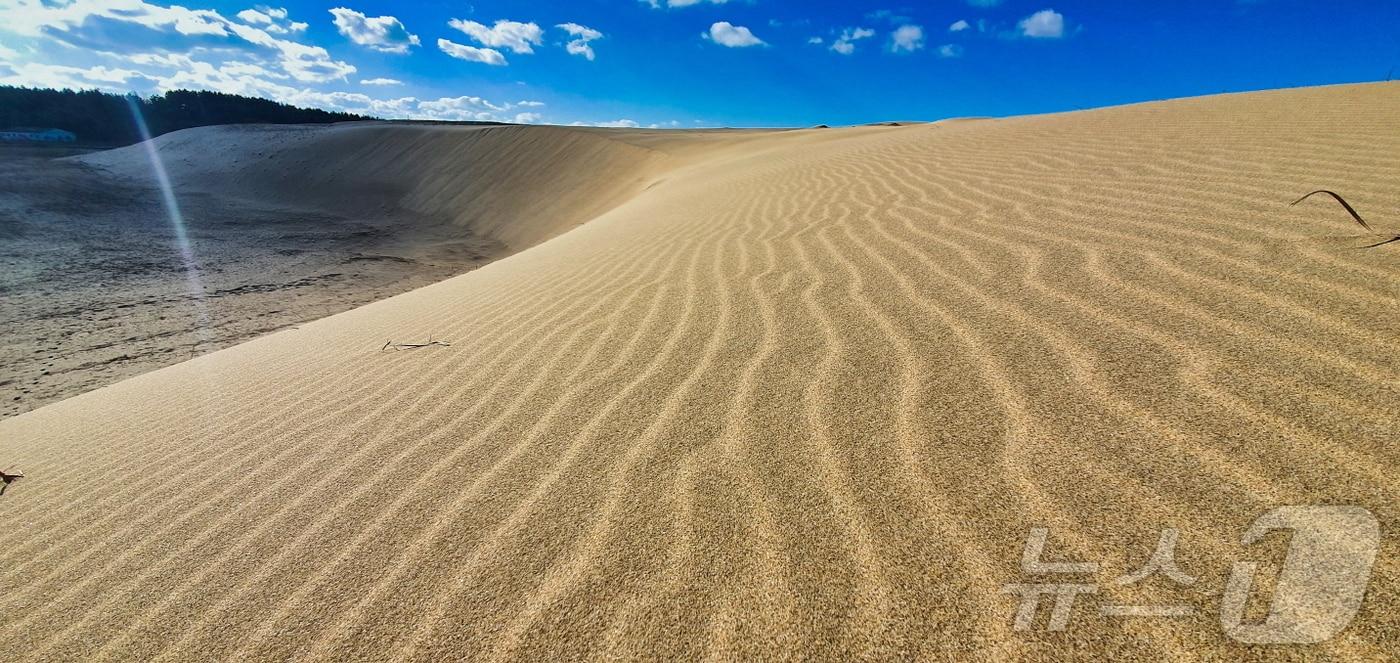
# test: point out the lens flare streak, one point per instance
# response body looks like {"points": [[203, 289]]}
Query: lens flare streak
{"points": [[194, 283]]}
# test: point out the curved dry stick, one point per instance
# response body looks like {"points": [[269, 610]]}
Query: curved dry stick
{"points": [[1381, 243], [1344, 203], [411, 346], [8, 478]]}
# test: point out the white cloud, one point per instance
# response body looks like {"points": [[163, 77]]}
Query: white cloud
{"points": [[582, 35], [846, 43], [814, 40], [174, 61], [467, 108], [250, 69], [908, 38], [656, 4], [254, 17], [580, 31], [460, 108], [133, 45], [518, 37], [984, 3], [959, 26], [615, 124], [271, 20], [381, 33], [149, 72], [311, 63], [464, 108], [63, 20], [1044, 24], [119, 28], [35, 74], [734, 36], [950, 51], [489, 56]]}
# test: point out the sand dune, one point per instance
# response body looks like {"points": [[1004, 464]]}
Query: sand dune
{"points": [[91, 262], [777, 395], [465, 176]]}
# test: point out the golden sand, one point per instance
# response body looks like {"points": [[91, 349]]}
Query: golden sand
{"points": [[789, 395]]}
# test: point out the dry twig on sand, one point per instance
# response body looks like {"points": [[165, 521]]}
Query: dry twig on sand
{"points": [[390, 345], [1354, 215], [8, 479]]}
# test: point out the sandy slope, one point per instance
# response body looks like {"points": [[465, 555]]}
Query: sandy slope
{"points": [[91, 265], [461, 175], [803, 398]]}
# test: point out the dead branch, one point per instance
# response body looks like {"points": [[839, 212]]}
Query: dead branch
{"points": [[391, 345], [1354, 215]]}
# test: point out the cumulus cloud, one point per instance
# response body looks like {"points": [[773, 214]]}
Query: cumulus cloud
{"points": [[121, 28], [950, 51], [959, 26], [846, 43], [270, 19], [907, 38], [581, 36], [134, 45], [173, 71], [34, 74], [312, 64], [725, 33], [1044, 24], [518, 37], [254, 17], [489, 56], [381, 33], [469, 108], [464, 107], [616, 124]]}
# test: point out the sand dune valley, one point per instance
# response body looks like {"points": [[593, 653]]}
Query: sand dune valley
{"points": [[724, 395]]}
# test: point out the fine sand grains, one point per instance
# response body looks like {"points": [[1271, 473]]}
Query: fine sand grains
{"points": [[789, 395]]}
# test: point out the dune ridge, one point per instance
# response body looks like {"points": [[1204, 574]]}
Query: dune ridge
{"points": [[776, 395], [285, 224], [518, 185]]}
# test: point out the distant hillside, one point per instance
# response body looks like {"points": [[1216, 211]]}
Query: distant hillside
{"points": [[104, 118]]}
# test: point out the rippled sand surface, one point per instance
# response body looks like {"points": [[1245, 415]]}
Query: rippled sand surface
{"points": [[792, 395]]}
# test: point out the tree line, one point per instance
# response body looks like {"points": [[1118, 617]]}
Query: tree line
{"points": [[104, 118]]}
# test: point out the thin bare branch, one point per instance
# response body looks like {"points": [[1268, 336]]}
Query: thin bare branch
{"points": [[1341, 200], [1381, 243], [412, 346]]}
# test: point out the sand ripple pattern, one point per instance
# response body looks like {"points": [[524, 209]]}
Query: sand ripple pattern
{"points": [[800, 399]]}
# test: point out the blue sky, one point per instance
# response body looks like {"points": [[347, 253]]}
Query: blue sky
{"points": [[700, 62]]}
